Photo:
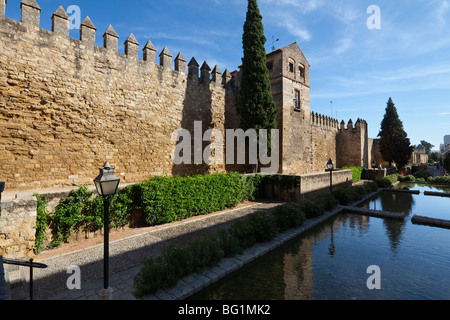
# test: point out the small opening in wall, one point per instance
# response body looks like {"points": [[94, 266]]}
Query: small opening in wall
{"points": [[297, 101], [301, 70], [291, 67]]}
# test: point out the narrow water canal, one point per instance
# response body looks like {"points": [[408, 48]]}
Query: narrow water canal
{"points": [[331, 261]]}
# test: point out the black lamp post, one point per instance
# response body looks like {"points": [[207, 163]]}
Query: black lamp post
{"points": [[330, 166], [2, 188], [106, 184]]}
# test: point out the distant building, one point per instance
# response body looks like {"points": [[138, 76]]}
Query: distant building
{"points": [[446, 140], [419, 155]]}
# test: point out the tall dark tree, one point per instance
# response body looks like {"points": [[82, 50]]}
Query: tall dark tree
{"points": [[428, 146], [394, 142], [256, 105]]}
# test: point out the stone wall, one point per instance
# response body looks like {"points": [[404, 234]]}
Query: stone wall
{"points": [[67, 105], [314, 183], [17, 233], [354, 144]]}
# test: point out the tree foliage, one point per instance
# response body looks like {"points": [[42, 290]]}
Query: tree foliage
{"points": [[428, 146], [394, 142], [256, 104], [446, 163]]}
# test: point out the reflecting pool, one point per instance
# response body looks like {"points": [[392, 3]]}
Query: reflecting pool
{"points": [[331, 261]]}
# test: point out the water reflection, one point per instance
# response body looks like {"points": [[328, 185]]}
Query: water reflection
{"points": [[331, 260], [394, 202]]}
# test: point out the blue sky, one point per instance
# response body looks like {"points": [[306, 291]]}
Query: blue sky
{"points": [[357, 68]]}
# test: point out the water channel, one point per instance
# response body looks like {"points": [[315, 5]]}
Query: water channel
{"points": [[331, 261]]}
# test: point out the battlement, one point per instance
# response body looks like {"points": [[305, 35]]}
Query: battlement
{"points": [[31, 13], [359, 125], [323, 121]]}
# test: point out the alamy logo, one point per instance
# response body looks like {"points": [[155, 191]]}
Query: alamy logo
{"points": [[214, 153], [374, 21], [74, 13], [74, 281], [374, 281]]}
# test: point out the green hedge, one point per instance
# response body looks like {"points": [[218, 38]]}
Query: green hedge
{"points": [[347, 195], [356, 173], [162, 199], [440, 180], [168, 199]]}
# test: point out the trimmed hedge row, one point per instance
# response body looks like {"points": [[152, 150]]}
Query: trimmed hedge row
{"points": [[168, 199], [356, 173], [161, 199]]}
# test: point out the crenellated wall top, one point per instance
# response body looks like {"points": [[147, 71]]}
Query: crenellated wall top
{"points": [[31, 13]]}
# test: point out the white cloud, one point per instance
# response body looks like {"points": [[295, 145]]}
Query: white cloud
{"points": [[441, 11], [295, 29], [343, 46], [302, 6]]}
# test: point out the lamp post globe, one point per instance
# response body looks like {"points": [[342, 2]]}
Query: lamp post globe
{"points": [[330, 164], [106, 183]]}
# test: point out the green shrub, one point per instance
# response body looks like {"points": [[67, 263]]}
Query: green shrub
{"points": [[356, 173], [178, 262], [151, 277], [42, 220], [348, 195], [68, 215], [342, 196], [326, 201], [383, 182], [311, 209], [205, 252], [255, 186], [440, 180], [370, 186], [168, 199], [263, 226], [288, 216], [230, 245]]}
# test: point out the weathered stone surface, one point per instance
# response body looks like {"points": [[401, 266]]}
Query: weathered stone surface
{"points": [[17, 228], [67, 105], [65, 109]]}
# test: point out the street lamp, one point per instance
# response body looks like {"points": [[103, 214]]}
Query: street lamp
{"points": [[330, 166], [106, 184], [374, 164], [2, 188]]}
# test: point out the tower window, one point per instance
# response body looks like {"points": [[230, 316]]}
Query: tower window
{"points": [[301, 70], [297, 101], [270, 66], [291, 67]]}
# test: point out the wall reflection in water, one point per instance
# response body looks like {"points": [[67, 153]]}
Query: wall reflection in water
{"points": [[331, 260]]}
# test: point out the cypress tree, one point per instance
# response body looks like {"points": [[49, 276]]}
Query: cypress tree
{"points": [[256, 105], [394, 142]]}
